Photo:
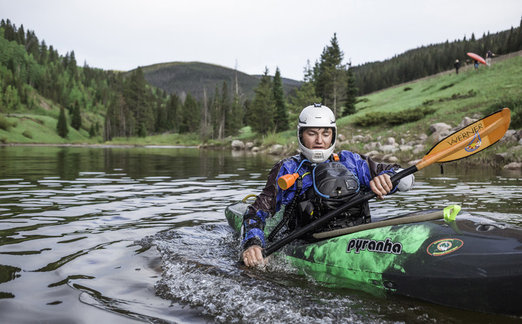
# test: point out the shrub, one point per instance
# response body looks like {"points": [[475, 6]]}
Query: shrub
{"points": [[407, 89], [370, 119], [514, 104], [393, 118], [27, 134], [447, 86], [469, 94], [4, 123], [427, 88], [62, 124], [408, 116]]}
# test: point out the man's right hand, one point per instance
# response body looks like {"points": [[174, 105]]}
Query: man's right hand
{"points": [[253, 256]]}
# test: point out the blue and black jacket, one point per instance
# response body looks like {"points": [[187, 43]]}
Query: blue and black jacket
{"points": [[272, 198]]}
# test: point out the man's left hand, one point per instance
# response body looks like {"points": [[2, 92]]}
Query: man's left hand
{"points": [[381, 185]]}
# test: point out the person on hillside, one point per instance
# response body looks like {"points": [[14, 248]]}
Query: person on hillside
{"points": [[489, 56], [326, 181], [475, 65], [457, 66]]}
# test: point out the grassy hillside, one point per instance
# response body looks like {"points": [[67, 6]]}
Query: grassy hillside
{"points": [[451, 96], [193, 77], [38, 125], [448, 96]]}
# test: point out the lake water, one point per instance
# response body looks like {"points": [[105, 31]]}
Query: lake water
{"points": [[122, 235]]}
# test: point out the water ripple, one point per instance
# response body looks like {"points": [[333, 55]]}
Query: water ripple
{"points": [[69, 220]]}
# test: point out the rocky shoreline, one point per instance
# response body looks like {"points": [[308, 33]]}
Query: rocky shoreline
{"points": [[388, 149], [391, 150]]}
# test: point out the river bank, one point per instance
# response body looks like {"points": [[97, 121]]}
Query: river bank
{"points": [[406, 148]]}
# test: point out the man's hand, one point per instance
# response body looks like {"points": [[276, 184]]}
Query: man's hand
{"points": [[253, 256], [381, 185]]}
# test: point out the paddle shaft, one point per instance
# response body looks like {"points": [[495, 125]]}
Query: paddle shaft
{"points": [[326, 218]]}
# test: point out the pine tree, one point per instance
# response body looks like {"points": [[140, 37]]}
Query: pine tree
{"points": [[224, 118], [139, 102], [190, 115], [328, 75], [303, 96], [173, 110], [261, 114], [205, 130], [92, 131], [281, 111], [76, 119], [142, 129], [10, 100], [238, 110], [61, 127], [236, 116], [117, 119], [351, 93], [72, 66], [215, 112], [161, 119], [20, 38]]}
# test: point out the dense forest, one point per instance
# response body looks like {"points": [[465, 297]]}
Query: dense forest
{"points": [[109, 104]]}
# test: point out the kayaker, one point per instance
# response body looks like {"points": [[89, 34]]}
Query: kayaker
{"points": [[325, 181]]}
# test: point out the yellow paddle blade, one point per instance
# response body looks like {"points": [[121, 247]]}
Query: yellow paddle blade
{"points": [[469, 140]]}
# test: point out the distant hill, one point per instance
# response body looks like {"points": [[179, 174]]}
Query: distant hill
{"points": [[192, 77]]}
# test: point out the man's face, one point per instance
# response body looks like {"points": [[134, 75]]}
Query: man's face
{"points": [[317, 138]]}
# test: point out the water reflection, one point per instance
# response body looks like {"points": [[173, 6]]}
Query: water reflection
{"points": [[140, 232]]}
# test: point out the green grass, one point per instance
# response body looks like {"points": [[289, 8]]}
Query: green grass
{"points": [[282, 138], [42, 130], [161, 139], [471, 93], [451, 97], [37, 125], [502, 79]]}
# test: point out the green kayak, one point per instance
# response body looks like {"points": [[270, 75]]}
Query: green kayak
{"points": [[467, 262]]}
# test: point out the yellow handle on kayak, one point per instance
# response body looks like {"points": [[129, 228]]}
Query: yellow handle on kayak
{"points": [[248, 197], [450, 212]]}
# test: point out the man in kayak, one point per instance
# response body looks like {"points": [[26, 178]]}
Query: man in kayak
{"points": [[324, 181]]}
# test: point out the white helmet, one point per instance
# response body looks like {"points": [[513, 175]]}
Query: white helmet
{"points": [[316, 116]]}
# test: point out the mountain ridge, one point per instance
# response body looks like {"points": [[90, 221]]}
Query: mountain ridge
{"points": [[196, 77]]}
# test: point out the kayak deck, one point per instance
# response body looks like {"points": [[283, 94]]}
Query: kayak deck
{"points": [[469, 263]]}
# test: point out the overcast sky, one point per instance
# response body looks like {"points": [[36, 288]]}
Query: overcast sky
{"points": [[125, 34]]}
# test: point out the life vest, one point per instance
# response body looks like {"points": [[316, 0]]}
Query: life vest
{"points": [[333, 185]]}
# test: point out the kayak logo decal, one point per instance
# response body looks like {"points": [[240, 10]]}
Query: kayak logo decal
{"points": [[386, 246], [444, 246], [474, 144]]}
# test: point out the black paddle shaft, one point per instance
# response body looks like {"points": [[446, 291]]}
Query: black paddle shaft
{"points": [[319, 222]]}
